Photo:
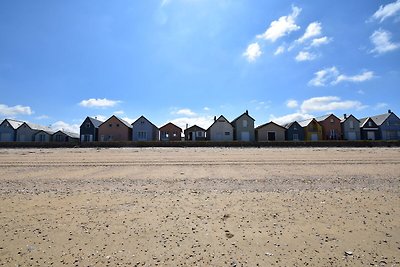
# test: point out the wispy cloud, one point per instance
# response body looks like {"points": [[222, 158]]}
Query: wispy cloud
{"points": [[252, 52], [382, 42], [322, 77], [98, 103], [281, 27], [380, 105], [119, 112], [15, 110], [320, 41], [260, 105], [305, 56], [42, 117], [279, 50], [331, 76], [165, 2], [365, 76], [387, 11], [313, 29]]}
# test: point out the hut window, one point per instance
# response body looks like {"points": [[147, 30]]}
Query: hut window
{"points": [[351, 125], [244, 123], [369, 123], [117, 124], [227, 133], [88, 125], [110, 125]]}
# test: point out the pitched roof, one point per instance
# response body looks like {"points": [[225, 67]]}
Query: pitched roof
{"points": [[342, 119], [324, 117], [271, 122], [121, 120], [96, 123], [14, 123], [364, 121], [49, 132], [34, 126], [377, 119], [216, 120], [70, 134], [172, 125], [380, 119], [288, 125], [245, 113], [145, 119], [304, 123], [195, 126]]}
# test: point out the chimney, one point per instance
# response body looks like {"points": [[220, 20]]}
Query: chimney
{"points": [[187, 125], [247, 112], [215, 118], [345, 116], [389, 111]]}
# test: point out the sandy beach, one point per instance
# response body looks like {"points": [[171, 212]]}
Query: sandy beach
{"points": [[200, 207]]}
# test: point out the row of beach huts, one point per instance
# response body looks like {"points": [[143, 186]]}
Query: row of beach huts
{"points": [[329, 127]]}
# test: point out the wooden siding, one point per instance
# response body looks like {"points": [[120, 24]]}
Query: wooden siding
{"points": [[114, 130], [170, 132], [270, 132], [220, 130]]}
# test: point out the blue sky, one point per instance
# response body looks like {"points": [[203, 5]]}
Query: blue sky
{"points": [[187, 61]]}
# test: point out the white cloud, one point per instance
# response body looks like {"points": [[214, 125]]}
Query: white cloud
{"points": [[320, 41], [279, 50], [119, 112], [329, 103], [305, 56], [313, 29], [382, 43], [387, 11], [365, 76], [281, 27], [332, 76], [98, 103], [184, 111], [323, 76], [61, 125], [15, 110], [252, 52], [291, 103], [202, 121], [360, 92], [206, 109], [290, 118]]}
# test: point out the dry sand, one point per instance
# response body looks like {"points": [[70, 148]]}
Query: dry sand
{"points": [[200, 207]]}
